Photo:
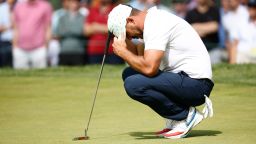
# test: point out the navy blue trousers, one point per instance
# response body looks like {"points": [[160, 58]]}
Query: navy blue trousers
{"points": [[5, 54], [168, 94]]}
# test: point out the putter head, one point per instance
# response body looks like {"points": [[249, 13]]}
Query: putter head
{"points": [[80, 138], [85, 137]]}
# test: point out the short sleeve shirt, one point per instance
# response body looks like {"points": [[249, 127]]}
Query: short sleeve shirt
{"points": [[32, 20], [238, 30], [184, 50]]}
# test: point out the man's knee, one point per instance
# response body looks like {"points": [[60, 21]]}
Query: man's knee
{"points": [[125, 73], [128, 72], [133, 87]]}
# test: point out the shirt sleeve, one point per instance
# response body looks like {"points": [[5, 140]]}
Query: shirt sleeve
{"points": [[157, 34]]}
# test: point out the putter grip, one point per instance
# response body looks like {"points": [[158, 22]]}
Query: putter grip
{"points": [[107, 43]]}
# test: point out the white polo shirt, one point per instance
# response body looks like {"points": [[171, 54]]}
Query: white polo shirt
{"points": [[184, 49], [238, 30], [252, 27]]}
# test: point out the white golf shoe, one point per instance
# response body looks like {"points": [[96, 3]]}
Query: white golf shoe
{"points": [[169, 126], [181, 128]]}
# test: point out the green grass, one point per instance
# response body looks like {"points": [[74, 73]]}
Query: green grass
{"points": [[52, 107]]}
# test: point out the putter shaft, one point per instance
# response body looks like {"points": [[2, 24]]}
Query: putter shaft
{"points": [[96, 91]]}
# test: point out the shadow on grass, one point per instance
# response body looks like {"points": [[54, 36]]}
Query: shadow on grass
{"points": [[199, 133], [193, 133], [144, 135]]}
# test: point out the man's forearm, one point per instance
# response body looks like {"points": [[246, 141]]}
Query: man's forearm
{"points": [[48, 35], [147, 64], [138, 63], [206, 28], [15, 37], [232, 51], [15, 33], [93, 28], [101, 28]]}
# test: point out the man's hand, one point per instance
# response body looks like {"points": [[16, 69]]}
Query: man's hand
{"points": [[147, 63], [119, 45]]}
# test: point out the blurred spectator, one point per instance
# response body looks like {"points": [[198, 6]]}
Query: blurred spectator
{"points": [[252, 29], [6, 30], [116, 2], [22, 0], [70, 33], [205, 20], [84, 8], [32, 30], [192, 4], [96, 30], [180, 7], [224, 9], [94, 3], [244, 2], [236, 23], [158, 4], [139, 4], [146, 4], [58, 14], [54, 45]]}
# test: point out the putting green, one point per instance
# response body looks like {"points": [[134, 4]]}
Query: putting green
{"points": [[52, 107]]}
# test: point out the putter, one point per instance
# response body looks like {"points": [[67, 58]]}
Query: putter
{"points": [[86, 137]]}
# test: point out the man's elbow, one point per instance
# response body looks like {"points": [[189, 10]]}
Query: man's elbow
{"points": [[151, 72]]}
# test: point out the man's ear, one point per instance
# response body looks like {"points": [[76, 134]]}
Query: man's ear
{"points": [[130, 20]]}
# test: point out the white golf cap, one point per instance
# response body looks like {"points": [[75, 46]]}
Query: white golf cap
{"points": [[117, 19]]}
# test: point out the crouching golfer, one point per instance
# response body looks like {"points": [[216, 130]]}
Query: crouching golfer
{"points": [[171, 72]]}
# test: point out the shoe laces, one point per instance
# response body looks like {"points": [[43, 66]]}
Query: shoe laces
{"points": [[208, 109]]}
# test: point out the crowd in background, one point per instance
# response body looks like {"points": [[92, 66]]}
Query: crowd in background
{"points": [[33, 35]]}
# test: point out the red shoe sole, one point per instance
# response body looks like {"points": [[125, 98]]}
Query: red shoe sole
{"points": [[162, 131]]}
